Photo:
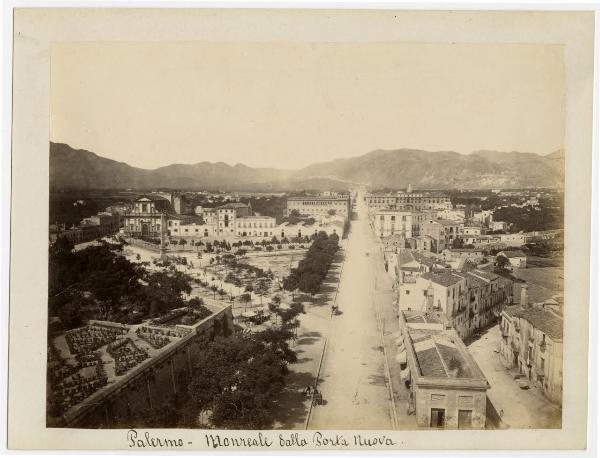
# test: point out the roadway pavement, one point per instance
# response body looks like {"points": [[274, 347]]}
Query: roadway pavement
{"points": [[353, 377]]}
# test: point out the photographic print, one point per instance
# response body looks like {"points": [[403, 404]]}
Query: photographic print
{"points": [[222, 255], [303, 235]]}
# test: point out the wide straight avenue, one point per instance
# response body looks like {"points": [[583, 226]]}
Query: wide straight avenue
{"points": [[353, 373]]}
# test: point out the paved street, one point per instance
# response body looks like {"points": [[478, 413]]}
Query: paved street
{"points": [[520, 408], [352, 377]]}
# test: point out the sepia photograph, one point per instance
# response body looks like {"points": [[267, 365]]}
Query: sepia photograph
{"points": [[267, 235], [306, 235]]}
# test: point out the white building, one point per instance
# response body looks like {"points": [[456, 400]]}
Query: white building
{"points": [[390, 222], [454, 214], [255, 227]]}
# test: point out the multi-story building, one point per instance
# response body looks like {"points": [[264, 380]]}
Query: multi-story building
{"points": [[532, 342], [442, 231], [318, 206], [467, 301], [390, 222], [148, 216], [447, 387], [379, 201], [474, 230], [420, 201], [418, 219], [255, 227], [422, 243], [227, 216]]}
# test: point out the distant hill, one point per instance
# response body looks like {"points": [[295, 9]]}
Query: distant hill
{"points": [[82, 169], [70, 168], [443, 169]]}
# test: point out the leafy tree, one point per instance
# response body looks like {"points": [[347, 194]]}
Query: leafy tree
{"points": [[262, 287], [502, 263], [457, 243], [196, 302], [238, 379]]}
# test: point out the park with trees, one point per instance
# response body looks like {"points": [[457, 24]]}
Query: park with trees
{"points": [[312, 270]]}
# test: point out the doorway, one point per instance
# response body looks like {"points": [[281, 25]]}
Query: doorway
{"points": [[438, 418], [465, 419], [145, 229]]}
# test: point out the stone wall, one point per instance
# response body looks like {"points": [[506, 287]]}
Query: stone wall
{"points": [[152, 384]]}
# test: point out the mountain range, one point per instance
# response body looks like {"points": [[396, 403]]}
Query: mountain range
{"points": [[81, 169]]}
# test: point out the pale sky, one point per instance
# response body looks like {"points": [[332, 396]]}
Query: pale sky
{"points": [[288, 105]]}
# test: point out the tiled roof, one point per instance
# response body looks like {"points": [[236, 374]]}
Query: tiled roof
{"points": [[484, 274], [421, 317], [443, 278], [479, 281], [429, 360], [542, 319], [513, 254], [454, 360]]}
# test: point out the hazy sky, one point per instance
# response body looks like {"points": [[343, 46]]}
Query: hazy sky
{"points": [[288, 105]]}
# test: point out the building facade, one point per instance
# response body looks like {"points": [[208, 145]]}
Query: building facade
{"points": [[532, 343], [262, 227], [447, 388], [320, 206], [148, 217], [227, 215], [418, 201], [390, 222], [467, 301], [443, 232]]}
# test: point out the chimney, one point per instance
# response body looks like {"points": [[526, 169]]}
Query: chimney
{"points": [[524, 296]]}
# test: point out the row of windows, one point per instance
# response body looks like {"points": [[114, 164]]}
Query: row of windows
{"points": [[320, 203], [254, 224], [392, 217], [388, 200]]}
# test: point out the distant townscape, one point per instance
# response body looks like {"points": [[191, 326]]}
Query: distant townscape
{"points": [[364, 293]]}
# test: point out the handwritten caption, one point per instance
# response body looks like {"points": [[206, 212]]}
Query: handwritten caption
{"points": [[316, 439]]}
